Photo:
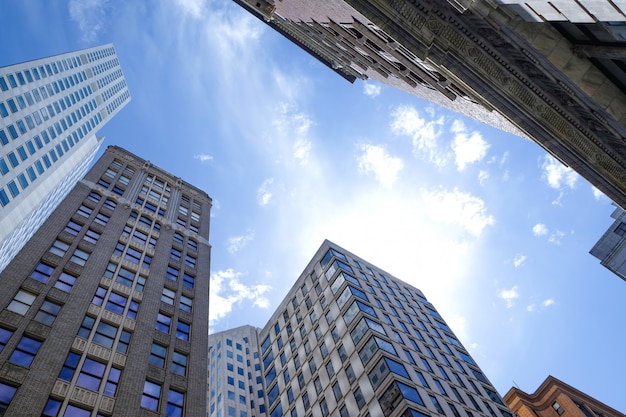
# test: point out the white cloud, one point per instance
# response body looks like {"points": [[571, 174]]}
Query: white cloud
{"points": [[406, 121], [385, 167], [540, 229], [457, 207], [597, 194], [236, 243], [194, 8], [544, 304], [89, 15], [264, 193], [482, 176], [293, 126], [227, 291], [371, 90], [203, 157], [556, 237], [519, 260], [509, 296], [558, 175], [468, 148]]}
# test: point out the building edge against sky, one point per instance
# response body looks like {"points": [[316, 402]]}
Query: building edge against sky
{"points": [[561, 83], [105, 310], [610, 249], [555, 398], [51, 109], [348, 340]]}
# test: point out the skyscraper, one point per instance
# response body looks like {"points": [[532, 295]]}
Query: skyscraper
{"points": [[556, 398], [50, 111], [348, 340], [610, 249], [105, 310], [561, 84]]}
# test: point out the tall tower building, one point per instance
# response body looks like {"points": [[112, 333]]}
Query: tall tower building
{"points": [[559, 82], [104, 312], [555, 398], [351, 340], [235, 375], [50, 110], [610, 249]]}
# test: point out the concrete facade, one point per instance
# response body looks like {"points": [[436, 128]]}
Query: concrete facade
{"points": [[611, 247], [351, 340], [555, 398], [481, 59], [104, 312], [50, 110]]}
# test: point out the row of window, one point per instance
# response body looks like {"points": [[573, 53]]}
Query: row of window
{"points": [[38, 72], [45, 162]]}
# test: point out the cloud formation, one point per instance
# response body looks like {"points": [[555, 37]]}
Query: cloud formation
{"points": [[264, 194], [375, 159], [406, 121], [371, 90], [544, 304], [540, 229], [294, 126], [90, 16], [519, 260], [457, 207], [558, 175], [236, 243], [228, 291], [509, 296], [203, 157], [468, 148]]}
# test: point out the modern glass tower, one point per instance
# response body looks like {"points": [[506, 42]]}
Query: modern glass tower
{"points": [[349, 340], [50, 111], [104, 312]]}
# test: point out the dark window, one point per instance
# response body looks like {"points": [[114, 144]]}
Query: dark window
{"points": [[25, 351]]}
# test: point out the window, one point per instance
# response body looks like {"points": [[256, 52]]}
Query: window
{"points": [[91, 374], [59, 248], [337, 391], [163, 323], [65, 282], [185, 303], [21, 302], [188, 280], [190, 261], [182, 331], [168, 296], [175, 254], [150, 396], [42, 272], [179, 363], [80, 257], [175, 402], [5, 335], [48, 312], [172, 273], [73, 228], [158, 354], [620, 229], [25, 351], [557, 407], [6, 395]]}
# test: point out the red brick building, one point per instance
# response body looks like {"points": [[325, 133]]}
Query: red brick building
{"points": [[554, 398]]}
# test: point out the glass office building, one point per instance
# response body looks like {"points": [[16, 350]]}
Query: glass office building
{"points": [[50, 111]]}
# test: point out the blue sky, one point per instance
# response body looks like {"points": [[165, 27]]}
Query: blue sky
{"points": [[493, 231]]}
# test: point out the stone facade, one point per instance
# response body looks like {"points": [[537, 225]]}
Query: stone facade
{"points": [[480, 59], [105, 310]]}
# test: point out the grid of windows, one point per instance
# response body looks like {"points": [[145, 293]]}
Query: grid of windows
{"points": [[400, 338]]}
